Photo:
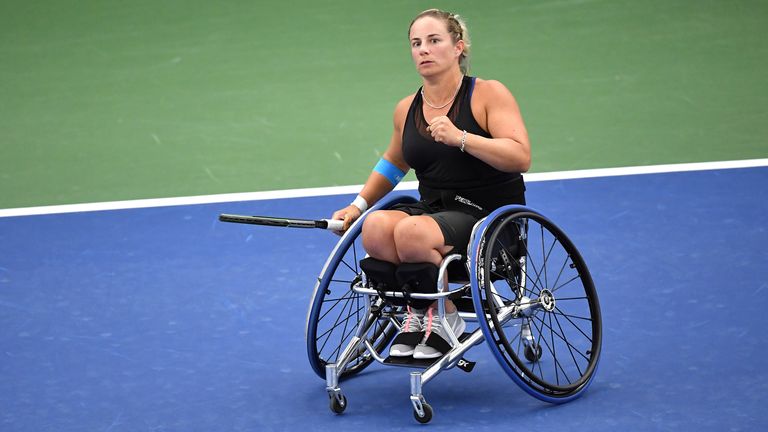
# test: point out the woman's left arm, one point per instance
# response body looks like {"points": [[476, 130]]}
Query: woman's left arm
{"points": [[508, 149]]}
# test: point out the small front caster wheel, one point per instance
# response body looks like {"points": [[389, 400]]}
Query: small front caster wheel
{"points": [[427, 414], [532, 352], [338, 406]]}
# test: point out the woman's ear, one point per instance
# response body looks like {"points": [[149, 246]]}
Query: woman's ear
{"points": [[459, 47]]}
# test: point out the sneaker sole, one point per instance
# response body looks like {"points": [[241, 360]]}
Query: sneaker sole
{"points": [[419, 356], [458, 332], [401, 353]]}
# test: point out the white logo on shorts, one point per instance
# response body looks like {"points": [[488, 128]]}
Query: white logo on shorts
{"points": [[463, 200]]}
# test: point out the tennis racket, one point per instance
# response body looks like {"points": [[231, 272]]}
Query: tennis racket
{"points": [[329, 224]]}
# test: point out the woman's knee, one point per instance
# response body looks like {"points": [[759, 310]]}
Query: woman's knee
{"points": [[418, 239], [378, 224], [378, 233]]}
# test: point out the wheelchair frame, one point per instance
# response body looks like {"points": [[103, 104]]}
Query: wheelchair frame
{"points": [[493, 311]]}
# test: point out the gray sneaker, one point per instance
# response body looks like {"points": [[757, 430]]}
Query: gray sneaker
{"points": [[433, 347], [410, 334]]}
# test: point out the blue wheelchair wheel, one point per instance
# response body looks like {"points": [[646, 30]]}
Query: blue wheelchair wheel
{"points": [[536, 303], [336, 312]]}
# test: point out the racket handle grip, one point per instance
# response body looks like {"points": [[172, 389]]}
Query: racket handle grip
{"points": [[334, 224]]}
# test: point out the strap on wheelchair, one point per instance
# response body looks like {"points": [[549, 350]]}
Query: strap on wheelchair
{"points": [[437, 342], [418, 278], [408, 278], [381, 275]]}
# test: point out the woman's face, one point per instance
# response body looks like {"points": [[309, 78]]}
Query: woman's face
{"points": [[432, 46]]}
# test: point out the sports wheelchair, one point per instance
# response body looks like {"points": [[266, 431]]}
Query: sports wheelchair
{"points": [[522, 281]]}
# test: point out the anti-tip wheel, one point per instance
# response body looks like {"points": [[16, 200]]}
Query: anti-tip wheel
{"points": [[533, 353], [427, 414], [337, 406]]}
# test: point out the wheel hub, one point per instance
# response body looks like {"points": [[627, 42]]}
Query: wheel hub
{"points": [[547, 300]]}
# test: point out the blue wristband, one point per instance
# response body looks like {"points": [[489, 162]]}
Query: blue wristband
{"points": [[390, 171]]}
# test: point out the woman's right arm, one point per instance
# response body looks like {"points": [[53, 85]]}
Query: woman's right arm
{"points": [[378, 185]]}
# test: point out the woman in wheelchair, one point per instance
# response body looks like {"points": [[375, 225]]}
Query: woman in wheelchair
{"points": [[467, 143]]}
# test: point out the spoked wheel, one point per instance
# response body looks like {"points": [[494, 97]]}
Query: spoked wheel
{"points": [[542, 315], [336, 312]]}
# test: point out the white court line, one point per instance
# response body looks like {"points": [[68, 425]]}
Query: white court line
{"points": [[353, 189]]}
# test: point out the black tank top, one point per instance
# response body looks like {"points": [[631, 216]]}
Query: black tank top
{"points": [[444, 170]]}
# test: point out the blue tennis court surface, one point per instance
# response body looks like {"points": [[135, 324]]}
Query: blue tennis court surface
{"points": [[164, 319]]}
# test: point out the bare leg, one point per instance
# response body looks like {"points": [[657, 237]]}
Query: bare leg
{"points": [[419, 239], [378, 234]]}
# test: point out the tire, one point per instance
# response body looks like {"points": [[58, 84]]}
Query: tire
{"points": [[531, 286]]}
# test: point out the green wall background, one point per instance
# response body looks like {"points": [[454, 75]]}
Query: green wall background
{"points": [[108, 100]]}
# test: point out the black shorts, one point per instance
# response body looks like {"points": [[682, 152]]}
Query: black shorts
{"points": [[455, 225]]}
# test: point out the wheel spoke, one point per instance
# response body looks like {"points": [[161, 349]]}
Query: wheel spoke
{"points": [[344, 335], [339, 321], [565, 283], [529, 261], [572, 298], [560, 273], [535, 343], [554, 349], [566, 316], [351, 268], [559, 336], [340, 318], [561, 313], [354, 259], [335, 302], [546, 256], [551, 350], [527, 275], [570, 347]]}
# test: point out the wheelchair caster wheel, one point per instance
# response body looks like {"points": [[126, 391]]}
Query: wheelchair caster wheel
{"points": [[427, 414], [532, 353], [338, 406]]}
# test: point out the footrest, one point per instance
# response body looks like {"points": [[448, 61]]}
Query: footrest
{"points": [[410, 362], [418, 363]]}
